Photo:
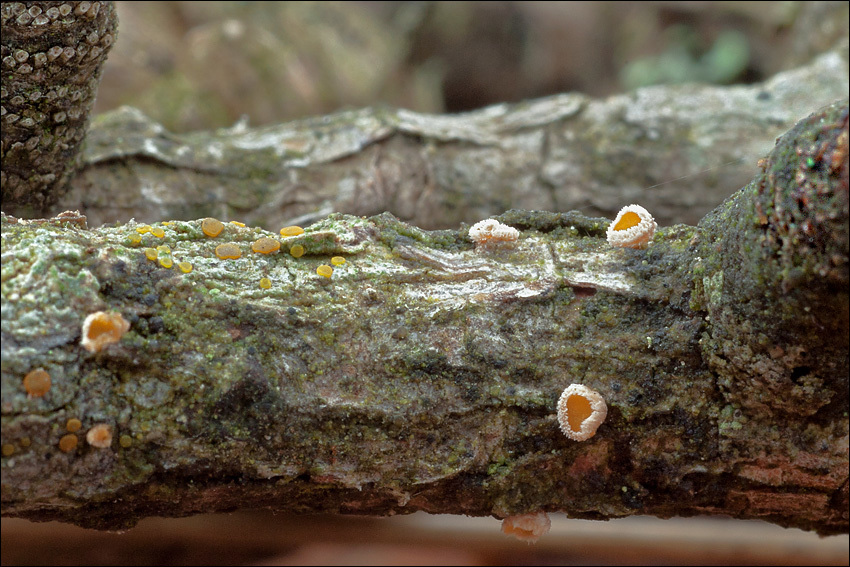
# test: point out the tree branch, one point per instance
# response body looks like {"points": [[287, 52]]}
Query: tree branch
{"points": [[423, 375]]}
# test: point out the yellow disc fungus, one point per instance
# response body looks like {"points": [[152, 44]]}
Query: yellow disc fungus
{"points": [[166, 262], [164, 248], [337, 260], [26, 442], [297, 251], [100, 436], [581, 411], [158, 232], [101, 329], [291, 231], [125, 441], [265, 283], [185, 267], [228, 251], [37, 383], [237, 223], [144, 229], [212, 227], [73, 425], [266, 246], [135, 239], [151, 254], [325, 270], [8, 449], [527, 527], [68, 443], [490, 232], [633, 228]]}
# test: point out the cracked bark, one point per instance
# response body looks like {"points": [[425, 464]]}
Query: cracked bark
{"points": [[424, 374]]}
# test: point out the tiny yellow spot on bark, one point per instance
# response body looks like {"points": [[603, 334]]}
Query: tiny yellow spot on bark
{"points": [[125, 441], [337, 260], [297, 251], [68, 443], [8, 449], [265, 283], [151, 254], [212, 227], [325, 270], [158, 232], [144, 229], [185, 267], [228, 251], [73, 425], [237, 223], [166, 262]]}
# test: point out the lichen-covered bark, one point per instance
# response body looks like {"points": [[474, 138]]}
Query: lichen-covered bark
{"points": [[680, 149], [52, 54], [423, 375]]}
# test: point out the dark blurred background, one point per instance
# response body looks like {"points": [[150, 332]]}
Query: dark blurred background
{"points": [[202, 65]]}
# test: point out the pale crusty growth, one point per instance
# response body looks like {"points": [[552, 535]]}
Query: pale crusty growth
{"points": [[100, 436], [490, 231], [581, 411], [101, 329], [633, 228], [527, 527]]}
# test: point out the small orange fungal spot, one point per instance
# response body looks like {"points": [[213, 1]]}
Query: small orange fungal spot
{"points": [[68, 443], [185, 267], [125, 441], [8, 449], [325, 270], [101, 329], [73, 425], [25, 442], [166, 262], [158, 232], [337, 260], [527, 527], [297, 251], [212, 227], [228, 251], [581, 411], [151, 254], [266, 246], [37, 383], [144, 229], [291, 231], [265, 283], [237, 223], [633, 228], [100, 436]]}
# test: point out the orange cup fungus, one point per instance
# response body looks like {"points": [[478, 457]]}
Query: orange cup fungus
{"points": [[633, 228], [266, 246], [580, 412], [100, 436], [291, 231], [68, 443], [37, 383], [491, 232], [211, 227], [101, 329], [228, 251], [527, 527]]}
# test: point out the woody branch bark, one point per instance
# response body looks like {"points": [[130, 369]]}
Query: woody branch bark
{"points": [[424, 374]]}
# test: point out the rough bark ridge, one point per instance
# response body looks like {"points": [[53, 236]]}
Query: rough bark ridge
{"points": [[423, 374], [681, 149]]}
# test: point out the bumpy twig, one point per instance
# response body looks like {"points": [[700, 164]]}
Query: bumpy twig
{"points": [[423, 374]]}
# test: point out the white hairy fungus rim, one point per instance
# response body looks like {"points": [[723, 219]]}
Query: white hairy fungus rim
{"points": [[633, 228], [588, 411], [101, 328], [492, 231], [527, 527]]}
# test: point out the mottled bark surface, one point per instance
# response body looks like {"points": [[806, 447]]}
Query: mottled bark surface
{"points": [[558, 154], [423, 375], [52, 54]]}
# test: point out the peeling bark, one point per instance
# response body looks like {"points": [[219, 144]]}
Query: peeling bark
{"points": [[423, 375]]}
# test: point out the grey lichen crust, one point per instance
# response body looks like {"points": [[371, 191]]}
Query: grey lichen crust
{"points": [[424, 373], [51, 57]]}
